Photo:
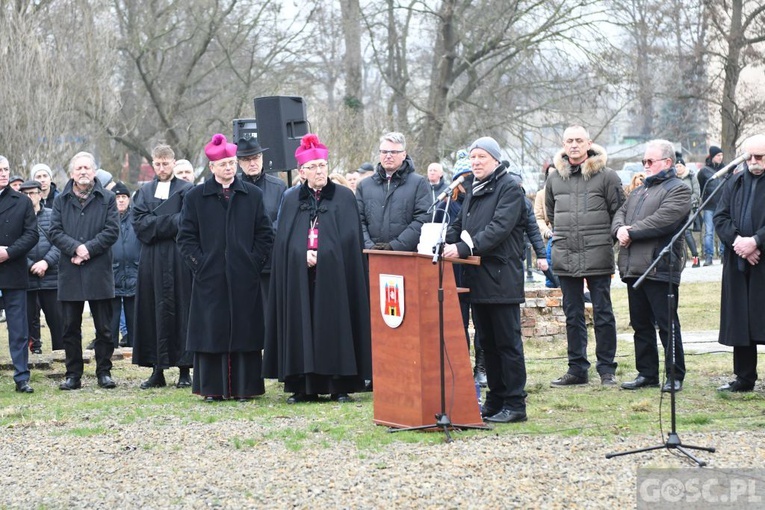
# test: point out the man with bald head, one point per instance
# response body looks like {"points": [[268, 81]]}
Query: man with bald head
{"points": [[740, 223], [581, 197]]}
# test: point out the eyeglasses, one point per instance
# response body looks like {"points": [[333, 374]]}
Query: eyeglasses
{"points": [[650, 162], [31, 192], [315, 167], [756, 157], [251, 158], [390, 153], [225, 164]]}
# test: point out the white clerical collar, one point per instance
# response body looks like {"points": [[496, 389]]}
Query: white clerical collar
{"points": [[163, 190]]}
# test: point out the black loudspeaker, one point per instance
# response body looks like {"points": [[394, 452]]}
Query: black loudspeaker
{"points": [[281, 124], [244, 128]]}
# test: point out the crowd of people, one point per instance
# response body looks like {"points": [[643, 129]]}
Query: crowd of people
{"points": [[241, 278]]}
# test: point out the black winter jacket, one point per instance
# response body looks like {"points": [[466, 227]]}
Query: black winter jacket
{"points": [[495, 217], [393, 211], [126, 252], [44, 250]]}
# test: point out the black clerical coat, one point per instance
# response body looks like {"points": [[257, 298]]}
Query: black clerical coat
{"points": [[332, 335], [226, 244], [163, 292], [743, 285]]}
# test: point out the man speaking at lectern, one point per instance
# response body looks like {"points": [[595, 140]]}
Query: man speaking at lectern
{"points": [[490, 225]]}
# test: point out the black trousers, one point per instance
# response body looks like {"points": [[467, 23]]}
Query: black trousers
{"points": [[745, 363], [576, 326], [649, 303], [499, 326], [71, 314], [47, 301], [119, 302]]}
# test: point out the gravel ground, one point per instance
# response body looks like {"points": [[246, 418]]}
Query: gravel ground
{"points": [[162, 463]]}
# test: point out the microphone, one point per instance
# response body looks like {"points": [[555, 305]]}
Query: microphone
{"points": [[733, 164], [451, 187]]}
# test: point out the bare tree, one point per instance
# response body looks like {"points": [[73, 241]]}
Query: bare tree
{"points": [[738, 26]]}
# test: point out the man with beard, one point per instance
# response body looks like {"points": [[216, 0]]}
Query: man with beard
{"points": [[84, 226], [164, 282], [249, 153], [225, 237], [713, 163], [318, 333], [18, 232], [394, 202], [740, 223]]}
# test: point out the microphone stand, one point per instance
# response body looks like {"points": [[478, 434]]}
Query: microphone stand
{"points": [[673, 439], [442, 419]]}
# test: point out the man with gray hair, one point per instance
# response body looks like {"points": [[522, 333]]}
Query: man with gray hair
{"points": [[84, 226], [18, 232], [740, 222], [652, 215], [394, 202], [581, 197]]}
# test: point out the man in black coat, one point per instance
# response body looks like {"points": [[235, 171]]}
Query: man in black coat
{"points": [[42, 264], [318, 336], [249, 154], [740, 223], [708, 185], [490, 225], [18, 234], [84, 226], [225, 237], [163, 292]]}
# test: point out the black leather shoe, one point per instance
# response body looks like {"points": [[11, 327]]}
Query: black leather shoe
{"points": [[105, 381], [184, 378], [668, 387], [216, 398], [506, 416], [71, 383], [568, 380], [301, 397], [155, 380], [640, 382], [736, 387], [24, 387], [343, 398], [36, 350], [489, 411]]}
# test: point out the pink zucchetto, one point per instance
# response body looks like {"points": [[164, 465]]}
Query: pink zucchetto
{"points": [[310, 149], [219, 148]]}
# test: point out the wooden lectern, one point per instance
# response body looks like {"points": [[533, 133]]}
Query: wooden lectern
{"points": [[405, 359]]}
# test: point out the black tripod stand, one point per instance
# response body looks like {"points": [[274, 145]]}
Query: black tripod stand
{"points": [[442, 419], [673, 439]]}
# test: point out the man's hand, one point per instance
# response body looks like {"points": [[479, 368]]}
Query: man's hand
{"points": [[382, 246], [623, 235], [542, 264], [450, 250], [77, 260], [754, 258], [39, 268], [744, 246], [3, 254], [311, 257], [82, 252]]}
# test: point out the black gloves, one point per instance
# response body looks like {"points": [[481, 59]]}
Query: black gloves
{"points": [[382, 246]]}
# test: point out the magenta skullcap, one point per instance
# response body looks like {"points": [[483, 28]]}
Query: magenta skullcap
{"points": [[310, 149], [219, 148]]}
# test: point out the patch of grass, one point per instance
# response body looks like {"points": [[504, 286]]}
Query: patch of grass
{"points": [[88, 431]]}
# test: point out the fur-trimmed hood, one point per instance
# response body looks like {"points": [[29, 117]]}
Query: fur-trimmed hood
{"points": [[595, 162]]}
